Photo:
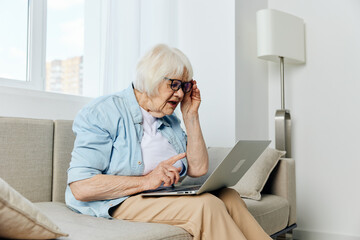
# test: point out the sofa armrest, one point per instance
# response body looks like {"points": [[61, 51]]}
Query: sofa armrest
{"points": [[282, 183]]}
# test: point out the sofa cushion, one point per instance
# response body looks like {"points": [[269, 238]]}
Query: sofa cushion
{"points": [[26, 156], [81, 226], [272, 212], [20, 219], [253, 182]]}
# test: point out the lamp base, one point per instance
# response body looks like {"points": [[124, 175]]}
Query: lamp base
{"points": [[283, 131]]}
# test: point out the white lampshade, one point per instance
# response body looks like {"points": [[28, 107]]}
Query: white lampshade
{"points": [[280, 34]]}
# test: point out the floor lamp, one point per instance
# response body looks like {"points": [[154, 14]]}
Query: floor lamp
{"points": [[280, 39]]}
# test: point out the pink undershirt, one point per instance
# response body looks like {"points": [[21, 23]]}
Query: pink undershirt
{"points": [[155, 147]]}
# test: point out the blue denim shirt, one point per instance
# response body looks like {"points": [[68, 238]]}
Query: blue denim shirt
{"points": [[108, 135]]}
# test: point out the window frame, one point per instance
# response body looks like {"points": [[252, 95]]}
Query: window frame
{"points": [[36, 49]]}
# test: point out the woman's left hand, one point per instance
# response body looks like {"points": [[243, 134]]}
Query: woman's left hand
{"points": [[191, 102]]}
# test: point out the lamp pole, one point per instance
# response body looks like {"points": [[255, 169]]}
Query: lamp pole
{"points": [[283, 119], [282, 83]]}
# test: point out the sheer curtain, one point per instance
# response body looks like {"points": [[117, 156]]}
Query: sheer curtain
{"points": [[121, 44], [128, 29]]}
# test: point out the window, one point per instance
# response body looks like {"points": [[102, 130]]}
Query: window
{"points": [[27, 71], [79, 47], [42, 45], [65, 46], [13, 39]]}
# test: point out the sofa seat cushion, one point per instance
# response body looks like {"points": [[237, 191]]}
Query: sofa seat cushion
{"points": [[80, 226], [272, 212]]}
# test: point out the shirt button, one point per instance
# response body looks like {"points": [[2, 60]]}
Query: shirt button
{"points": [[139, 162]]}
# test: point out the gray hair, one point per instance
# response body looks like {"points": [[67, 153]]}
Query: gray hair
{"points": [[159, 62]]}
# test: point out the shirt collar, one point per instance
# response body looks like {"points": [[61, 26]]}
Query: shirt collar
{"points": [[135, 110], [133, 105], [162, 121]]}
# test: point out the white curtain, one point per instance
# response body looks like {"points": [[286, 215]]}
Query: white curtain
{"points": [[120, 44], [128, 29]]}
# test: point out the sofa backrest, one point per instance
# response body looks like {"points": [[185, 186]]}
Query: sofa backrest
{"points": [[63, 145], [26, 153]]}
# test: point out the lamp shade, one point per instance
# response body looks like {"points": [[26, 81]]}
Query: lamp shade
{"points": [[280, 34]]}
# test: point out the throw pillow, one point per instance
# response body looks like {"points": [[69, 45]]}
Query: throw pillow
{"points": [[253, 182], [20, 219]]}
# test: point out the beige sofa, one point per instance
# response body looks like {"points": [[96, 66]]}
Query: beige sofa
{"points": [[34, 157]]}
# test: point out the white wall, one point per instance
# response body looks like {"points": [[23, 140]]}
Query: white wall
{"points": [[323, 96], [16, 102], [251, 73], [158, 23], [207, 37], [219, 37]]}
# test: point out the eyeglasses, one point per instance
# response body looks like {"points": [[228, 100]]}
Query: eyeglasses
{"points": [[177, 84]]}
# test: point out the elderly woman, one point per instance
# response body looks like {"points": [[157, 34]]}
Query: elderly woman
{"points": [[132, 141]]}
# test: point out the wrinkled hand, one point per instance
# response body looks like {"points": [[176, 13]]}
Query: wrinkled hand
{"points": [[165, 173], [191, 102]]}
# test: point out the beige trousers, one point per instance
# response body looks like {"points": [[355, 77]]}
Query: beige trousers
{"points": [[219, 215]]}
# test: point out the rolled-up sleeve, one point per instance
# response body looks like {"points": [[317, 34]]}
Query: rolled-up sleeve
{"points": [[92, 148]]}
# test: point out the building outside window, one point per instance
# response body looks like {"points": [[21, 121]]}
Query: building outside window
{"points": [[65, 46], [65, 76]]}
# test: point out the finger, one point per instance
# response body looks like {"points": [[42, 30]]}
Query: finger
{"points": [[187, 96], [174, 159], [195, 88], [172, 168], [177, 177], [175, 174], [196, 94], [168, 175], [166, 180], [172, 177]]}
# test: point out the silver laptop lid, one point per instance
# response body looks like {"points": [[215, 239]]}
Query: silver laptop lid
{"points": [[234, 166]]}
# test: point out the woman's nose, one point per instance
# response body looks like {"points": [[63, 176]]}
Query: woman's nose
{"points": [[179, 93]]}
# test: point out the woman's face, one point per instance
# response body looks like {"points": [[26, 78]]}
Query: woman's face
{"points": [[167, 99]]}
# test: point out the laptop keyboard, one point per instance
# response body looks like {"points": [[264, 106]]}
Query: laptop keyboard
{"points": [[175, 189]]}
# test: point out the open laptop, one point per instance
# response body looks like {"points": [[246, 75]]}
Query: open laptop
{"points": [[226, 174]]}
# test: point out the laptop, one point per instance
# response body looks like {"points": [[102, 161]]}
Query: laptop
{"points": [[228, 172]]}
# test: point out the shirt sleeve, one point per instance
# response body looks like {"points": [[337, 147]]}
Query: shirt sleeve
{"points": [[185, 136], [92, 146], [184, 161]]}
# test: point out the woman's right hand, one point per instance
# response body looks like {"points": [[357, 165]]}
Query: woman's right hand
{"points": [[165, 173]]}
